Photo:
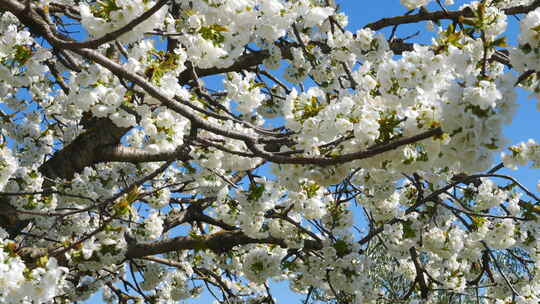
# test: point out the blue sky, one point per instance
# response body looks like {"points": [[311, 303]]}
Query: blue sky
{"points": [[523, 127]]}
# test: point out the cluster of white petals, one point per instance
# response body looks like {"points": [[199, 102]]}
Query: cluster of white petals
{"points": [[8, 166], [108, 16], [19, 284]]}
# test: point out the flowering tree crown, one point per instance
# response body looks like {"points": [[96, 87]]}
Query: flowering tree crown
{"points": [[358, 166]]}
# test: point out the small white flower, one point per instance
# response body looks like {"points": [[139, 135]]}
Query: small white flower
{"points": [[317, 15], [153, 226]]}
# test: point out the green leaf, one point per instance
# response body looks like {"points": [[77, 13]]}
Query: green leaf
{"points": [[255, 192], [342, 248], [477, 222], [22, 53], [213, 33], [408, 231], [500, 42]]}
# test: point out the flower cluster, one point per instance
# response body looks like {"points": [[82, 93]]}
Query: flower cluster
{"points": [[244, 91], [525, 56], [8, 166], [260, 265], [521, 154], [107, 16], [22, 285]]}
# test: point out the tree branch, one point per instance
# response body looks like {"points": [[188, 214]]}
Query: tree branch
{"points": [[444, 15], [119, 153], [95, 43], [340, 159], [218, 242], [84, 150]]}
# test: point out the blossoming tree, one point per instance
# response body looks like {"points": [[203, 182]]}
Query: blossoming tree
{"points": [[356, 166]]}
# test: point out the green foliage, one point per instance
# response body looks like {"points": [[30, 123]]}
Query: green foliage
{"points": [[22, 54], [161, 63], [255, 192], [213, 33], [103, 8]]}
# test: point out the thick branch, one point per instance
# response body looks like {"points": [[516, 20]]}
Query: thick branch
{"points": [[328, 161], [420, 279], [243, 62], [219, 242], [119, 153], [95, 43], [83, 151], [444, 15]]}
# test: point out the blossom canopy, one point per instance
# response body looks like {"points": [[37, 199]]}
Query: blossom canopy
{"points": [[162, 150]]}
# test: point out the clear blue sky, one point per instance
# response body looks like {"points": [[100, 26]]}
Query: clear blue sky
{"points": [[523, 127]]}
